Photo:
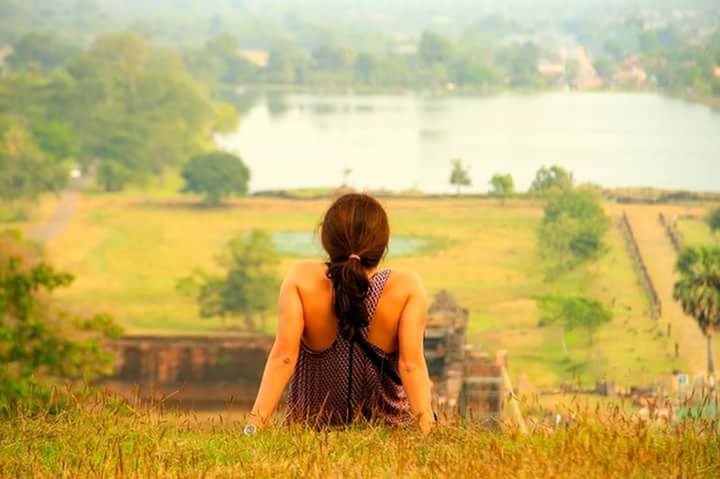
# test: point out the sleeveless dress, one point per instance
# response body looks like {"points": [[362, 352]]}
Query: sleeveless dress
{"points": [[335, 386]]}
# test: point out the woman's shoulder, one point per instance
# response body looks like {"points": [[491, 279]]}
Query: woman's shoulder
{"points": [[307, 269], [409, 282]]}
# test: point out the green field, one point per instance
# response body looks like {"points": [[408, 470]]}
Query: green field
{"points": [[128, 250], [696, 231]]}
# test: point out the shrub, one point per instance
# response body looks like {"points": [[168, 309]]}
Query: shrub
{"points": [[40, 344]]}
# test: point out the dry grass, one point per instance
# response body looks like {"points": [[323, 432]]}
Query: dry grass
{"points": [[105, 437]]}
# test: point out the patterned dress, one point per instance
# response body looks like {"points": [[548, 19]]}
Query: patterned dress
{"points": [[341, 383]]}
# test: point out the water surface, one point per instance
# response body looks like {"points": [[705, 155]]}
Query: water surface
{"points": [[406, 141], [302, 243]]}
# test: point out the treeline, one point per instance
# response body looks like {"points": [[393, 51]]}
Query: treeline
{"points": [[679, 56], [438, 62], [125, 106], [685, 67], [671, 59], [672, 50]]}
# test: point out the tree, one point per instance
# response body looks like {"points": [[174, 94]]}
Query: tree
{"points": [[572, 230], [520, 61], [136, 105], [328, 57], [502, 185], [216, 175], [42, 49], [573, 312], [698, 291], [554, 178], [39, 343], [435, 49], [472, 71], [460, 175], [713, 220], [219, 63], [27, 170], [55, 138], [248, 285], [281, 67], [113, 175], [365, 67], [125, 104]]}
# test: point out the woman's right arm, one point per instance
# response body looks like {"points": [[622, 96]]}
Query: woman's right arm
{"points": [[413, 369], [284, 353]]}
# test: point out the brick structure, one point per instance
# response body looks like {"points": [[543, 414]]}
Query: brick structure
{"points": [[203, 371]]}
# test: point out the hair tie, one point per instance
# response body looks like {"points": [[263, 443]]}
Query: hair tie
{"points": [[354, 256]]}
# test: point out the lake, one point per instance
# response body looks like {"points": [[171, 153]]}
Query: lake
{"points": [[404, 142], [303, 243]]}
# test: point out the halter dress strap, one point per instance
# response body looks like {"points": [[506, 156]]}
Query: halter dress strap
{"points": [[375, 289]]}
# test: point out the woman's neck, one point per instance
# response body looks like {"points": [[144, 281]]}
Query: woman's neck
{"points": [[370, 272]]}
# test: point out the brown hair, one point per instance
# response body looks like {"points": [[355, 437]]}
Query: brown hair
{"points": [[355, 224]]}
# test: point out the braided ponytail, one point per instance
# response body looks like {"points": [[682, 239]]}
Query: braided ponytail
{"points": [[355, 235], [350, 286]]}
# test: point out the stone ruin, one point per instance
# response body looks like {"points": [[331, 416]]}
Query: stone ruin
{"points": [[464, 382], [206, 372], [445, 348]]}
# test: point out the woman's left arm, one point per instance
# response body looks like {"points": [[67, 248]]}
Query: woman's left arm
{"points": [[284, 353]]}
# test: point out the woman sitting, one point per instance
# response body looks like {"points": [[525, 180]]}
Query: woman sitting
{"points": [[349, 336]]}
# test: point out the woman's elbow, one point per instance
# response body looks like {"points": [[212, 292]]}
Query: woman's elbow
{"points": [[410, 366], [284, 356]]}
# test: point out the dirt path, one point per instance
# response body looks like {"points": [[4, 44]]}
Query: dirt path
{"points": [[659, 257], [64, 211]]}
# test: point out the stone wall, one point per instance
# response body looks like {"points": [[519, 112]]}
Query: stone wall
{"points": [[198, 370]]}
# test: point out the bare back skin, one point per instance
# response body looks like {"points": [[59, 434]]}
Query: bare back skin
{"points": [[321, 329]]}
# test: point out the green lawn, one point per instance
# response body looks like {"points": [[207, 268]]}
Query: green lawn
{"points": [[697, 232], [128, 250]]}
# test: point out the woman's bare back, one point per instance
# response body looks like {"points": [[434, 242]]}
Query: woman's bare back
{"points": [[321, 325]]}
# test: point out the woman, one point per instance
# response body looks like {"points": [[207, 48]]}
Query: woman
{"points": [[349, 337]]}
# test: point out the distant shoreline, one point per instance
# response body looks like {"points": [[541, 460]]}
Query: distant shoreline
{"points": [[641, 195], [363, 90]]}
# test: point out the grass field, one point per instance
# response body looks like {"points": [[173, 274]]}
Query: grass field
{"points": [[697, 232], [661, 262], [128, 250], [104, 438]]}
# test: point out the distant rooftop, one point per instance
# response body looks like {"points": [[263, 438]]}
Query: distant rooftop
{"points": [[256, 57]]}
